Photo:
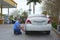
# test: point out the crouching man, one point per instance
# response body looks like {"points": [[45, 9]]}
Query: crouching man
{"points": [[17, 27]]}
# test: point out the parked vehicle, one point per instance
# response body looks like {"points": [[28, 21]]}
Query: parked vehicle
{"points": [[38, 23], [13, 21]]}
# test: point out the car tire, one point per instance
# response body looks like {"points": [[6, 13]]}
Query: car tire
{"points": [[26, 32], [48, 32]]}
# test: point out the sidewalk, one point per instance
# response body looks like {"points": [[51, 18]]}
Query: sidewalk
{"points": [[56, 31]]}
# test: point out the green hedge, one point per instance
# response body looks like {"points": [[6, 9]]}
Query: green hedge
{"points": [[23, 21], [54, 24]]}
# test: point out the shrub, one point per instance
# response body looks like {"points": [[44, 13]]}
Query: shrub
{"points": [[23, 21], [54, 24]]}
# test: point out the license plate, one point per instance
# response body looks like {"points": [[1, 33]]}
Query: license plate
{"points": [[37, 22]]}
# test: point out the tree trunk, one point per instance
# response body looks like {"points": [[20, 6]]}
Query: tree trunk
{"points": [[30, 8], [33, 8]]}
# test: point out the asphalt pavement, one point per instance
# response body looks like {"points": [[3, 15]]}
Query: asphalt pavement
{"points": [[6, 33]]}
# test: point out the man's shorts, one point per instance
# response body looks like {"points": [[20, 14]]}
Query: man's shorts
{"points": [[17, 32]]}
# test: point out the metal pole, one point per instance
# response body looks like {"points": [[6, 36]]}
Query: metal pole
{"points": [[8, 15], [33, 8], [8, 11]]}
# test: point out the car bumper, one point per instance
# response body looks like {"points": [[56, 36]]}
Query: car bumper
{"points": [[30, 27]]}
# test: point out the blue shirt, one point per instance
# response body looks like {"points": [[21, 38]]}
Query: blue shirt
{"points": [[17, 25]]}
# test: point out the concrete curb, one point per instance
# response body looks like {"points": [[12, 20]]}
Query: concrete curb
{"points": [[56, 31]]}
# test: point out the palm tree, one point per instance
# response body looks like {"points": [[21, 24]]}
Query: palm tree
{"points": [[34, 3], [30, 8]]}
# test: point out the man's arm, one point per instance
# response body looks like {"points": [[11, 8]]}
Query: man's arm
{"points": [[22, 28]]}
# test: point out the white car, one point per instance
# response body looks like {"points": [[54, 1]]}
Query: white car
{"points": [[38, 23]]}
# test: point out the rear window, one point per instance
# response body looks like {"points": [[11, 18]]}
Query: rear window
{"points": [[37, 16]]}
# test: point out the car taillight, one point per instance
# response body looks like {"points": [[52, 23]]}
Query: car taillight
{"points": [[49, 21], [28, 21]]}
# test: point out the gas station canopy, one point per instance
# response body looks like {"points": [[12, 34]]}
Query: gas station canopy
{"points": [[8, 4]]}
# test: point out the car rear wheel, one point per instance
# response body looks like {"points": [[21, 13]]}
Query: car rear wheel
{"points": [[27, 32], [48, 32]]}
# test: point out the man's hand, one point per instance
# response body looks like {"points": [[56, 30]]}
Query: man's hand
{"points": [[23, 29], [22, 26]]}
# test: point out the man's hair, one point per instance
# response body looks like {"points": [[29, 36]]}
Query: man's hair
{"points": [[19, 18]]}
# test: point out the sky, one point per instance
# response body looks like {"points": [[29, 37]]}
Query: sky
{"points": [[21, 4]]}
